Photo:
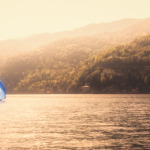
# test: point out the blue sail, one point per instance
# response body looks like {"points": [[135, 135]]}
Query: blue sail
{"points": [[2, 91]]}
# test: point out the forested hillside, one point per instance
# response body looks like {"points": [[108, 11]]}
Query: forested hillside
{"points": [[54, 61], [64, 66], [122, 69]]}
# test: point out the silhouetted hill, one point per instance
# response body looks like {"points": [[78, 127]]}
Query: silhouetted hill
{"points": [[118, 29]]}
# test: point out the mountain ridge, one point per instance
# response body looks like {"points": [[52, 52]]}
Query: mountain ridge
{"points": [[14, 46]]}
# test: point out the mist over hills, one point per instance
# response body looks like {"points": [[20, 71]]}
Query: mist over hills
{"points": [[125, 29]]}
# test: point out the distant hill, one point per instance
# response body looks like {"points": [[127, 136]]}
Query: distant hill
{"points": [[12, 47], [116, 29]]}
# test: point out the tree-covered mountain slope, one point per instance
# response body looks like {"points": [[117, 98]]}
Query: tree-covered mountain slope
{"points": [[64, 54], [66, 65]]}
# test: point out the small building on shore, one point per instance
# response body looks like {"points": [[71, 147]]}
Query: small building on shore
{"points": [[86, 88]]}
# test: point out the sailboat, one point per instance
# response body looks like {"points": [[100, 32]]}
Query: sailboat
{"points": [[2, 91]]}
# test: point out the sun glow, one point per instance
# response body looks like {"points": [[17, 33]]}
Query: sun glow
{"points": [[24, 17]]}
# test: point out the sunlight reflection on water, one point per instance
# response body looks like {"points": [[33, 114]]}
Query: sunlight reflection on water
{"points": [[75, 122]]}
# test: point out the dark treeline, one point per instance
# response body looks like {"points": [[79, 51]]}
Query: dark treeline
{"points": [[66, 65], [122, 69]]}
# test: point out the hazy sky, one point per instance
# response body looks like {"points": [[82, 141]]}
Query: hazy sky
{"points": [[24, 17]]}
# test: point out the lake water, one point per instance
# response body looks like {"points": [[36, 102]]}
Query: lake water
{"points": [[84, 122]]}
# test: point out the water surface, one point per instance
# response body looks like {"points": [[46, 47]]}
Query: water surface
{"points": [[110, 122]]}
